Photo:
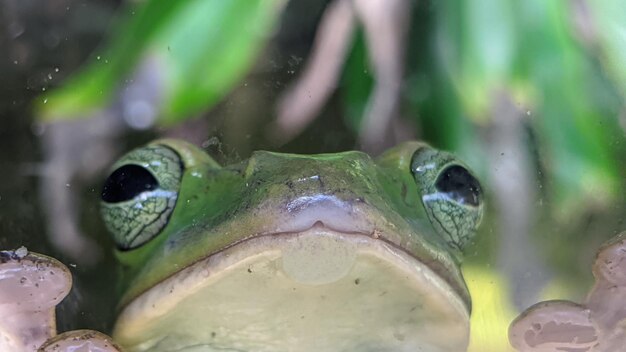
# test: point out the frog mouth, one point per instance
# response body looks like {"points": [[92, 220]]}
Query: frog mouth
{"points": [[317, 289]]}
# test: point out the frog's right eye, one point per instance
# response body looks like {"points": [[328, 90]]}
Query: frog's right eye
{"points": [[139, 195], [451, 195]]}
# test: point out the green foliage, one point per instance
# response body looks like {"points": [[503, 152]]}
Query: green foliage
{"points": [[202, 47], [576, 135], [476, 46], [530, 52], [462, 58], [357, 83], [610, 28]]}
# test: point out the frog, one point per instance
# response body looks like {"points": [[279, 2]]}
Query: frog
{"points": [[598, 324], [284, 252]]}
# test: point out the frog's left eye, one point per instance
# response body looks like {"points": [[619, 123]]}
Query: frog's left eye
{"points": [[139, 195], [451, 195]]}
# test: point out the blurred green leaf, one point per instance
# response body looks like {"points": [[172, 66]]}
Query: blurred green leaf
{"points": [[356, 83], [475, 52], [435, 102], [609, 24], [575, 134], [202, 48], [476, 42]]}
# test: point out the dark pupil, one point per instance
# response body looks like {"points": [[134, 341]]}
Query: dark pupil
{"points": [[460, 185], [127, 182]]}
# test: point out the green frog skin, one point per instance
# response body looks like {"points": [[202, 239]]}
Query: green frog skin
{"points": [[285, 252]]}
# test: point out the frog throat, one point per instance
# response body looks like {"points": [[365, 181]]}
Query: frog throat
{"points": [[319, 273]]}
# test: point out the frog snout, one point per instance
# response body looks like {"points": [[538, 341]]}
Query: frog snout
{"points": [[342, 214], [322, 245]]}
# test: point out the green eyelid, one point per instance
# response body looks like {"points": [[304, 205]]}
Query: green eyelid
{"points": [[140, 194], [450, 193]]}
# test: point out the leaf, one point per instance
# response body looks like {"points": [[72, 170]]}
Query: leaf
{"points": [[607, 19], [476, 42], [202, 47], [356, 83], [576, 132]]}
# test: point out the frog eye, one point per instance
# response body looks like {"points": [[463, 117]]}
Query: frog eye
{"points": [[451, 195], [139, 195]]}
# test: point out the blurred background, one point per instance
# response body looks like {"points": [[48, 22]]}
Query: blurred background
{"points": [[530, 94]]}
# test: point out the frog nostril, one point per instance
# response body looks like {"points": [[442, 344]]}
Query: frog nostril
{"points": [[319, 224]]}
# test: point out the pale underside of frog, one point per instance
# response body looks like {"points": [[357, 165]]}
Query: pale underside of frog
{"points": [[281, 252]]}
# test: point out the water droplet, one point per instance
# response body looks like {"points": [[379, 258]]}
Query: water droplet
{"points": [[56, 69], [98, 57], [49, 75], [45, 101], [21, 252]]}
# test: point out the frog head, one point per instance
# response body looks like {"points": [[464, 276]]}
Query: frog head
{"points": [[292, 252]]}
